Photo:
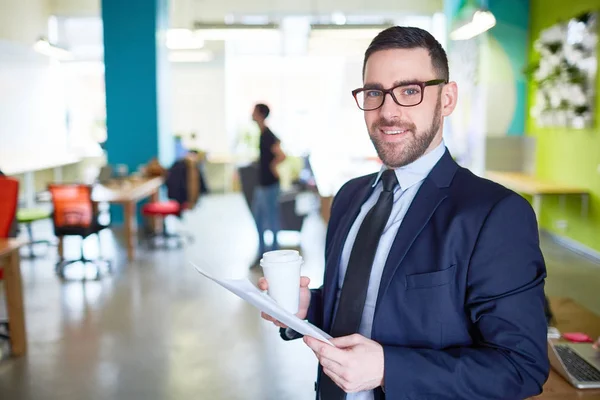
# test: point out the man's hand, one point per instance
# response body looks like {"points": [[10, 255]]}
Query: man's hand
{"points": [[354, 364], [302, 306], [597, 344]]}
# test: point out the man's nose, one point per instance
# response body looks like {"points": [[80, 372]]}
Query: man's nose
{"points": [[390, 110]]}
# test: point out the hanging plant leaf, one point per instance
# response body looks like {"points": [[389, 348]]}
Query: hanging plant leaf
{"points": [[585, 17], [554, 47], [580, 110]]}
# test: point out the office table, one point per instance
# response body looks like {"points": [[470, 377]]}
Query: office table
{"points": [[10, 262], [537, 188], [128, 193], [570, 317]]}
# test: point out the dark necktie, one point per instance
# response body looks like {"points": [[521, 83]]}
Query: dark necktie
{"points": [[356, 281]]}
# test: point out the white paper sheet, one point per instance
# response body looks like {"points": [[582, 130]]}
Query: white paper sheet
{"points": [[250, 293]]}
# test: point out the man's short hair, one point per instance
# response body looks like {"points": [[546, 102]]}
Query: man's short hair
{"points": [[407, 37], [263, 110]]}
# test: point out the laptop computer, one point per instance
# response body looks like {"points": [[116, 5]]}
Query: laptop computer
{"points": [[578, 363]]}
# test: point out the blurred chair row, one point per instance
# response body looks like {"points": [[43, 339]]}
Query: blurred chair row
{"points": [[185, 184], [74, 214]]}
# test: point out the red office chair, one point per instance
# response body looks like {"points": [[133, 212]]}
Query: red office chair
{"points": [[164, 209], [9, 197], [75, 214]]}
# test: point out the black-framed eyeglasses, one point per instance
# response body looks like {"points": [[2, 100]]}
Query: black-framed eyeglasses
{"points": [[406, 95]]}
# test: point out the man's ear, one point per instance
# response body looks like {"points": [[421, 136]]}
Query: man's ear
{"points": [[449, 98]]}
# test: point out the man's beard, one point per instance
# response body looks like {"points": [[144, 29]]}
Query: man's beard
{"points": [[396, 155]]}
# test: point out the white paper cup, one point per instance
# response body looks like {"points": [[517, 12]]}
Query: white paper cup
{"points": [[282, 270]]}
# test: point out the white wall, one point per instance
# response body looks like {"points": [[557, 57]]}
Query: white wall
{"points": [[198, 102], [32, 106]]}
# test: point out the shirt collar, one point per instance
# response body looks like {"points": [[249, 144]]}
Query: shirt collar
{"points": [[416, 171]]}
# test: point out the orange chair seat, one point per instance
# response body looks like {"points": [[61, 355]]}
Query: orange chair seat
{"points": [[164, 208]]}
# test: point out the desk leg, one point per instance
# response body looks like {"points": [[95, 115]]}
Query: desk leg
{"points": [[156, 223], [130, 229], [16, 308]]}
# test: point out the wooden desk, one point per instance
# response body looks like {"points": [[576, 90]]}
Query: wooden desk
{"points": [[10, 261], [570, 317], [128, 193], [537, 188]]}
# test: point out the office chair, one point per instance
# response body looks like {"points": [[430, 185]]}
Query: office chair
{"points": [[9, 197], [75, 214], [184, 184], [26, 217], [164, 209]]}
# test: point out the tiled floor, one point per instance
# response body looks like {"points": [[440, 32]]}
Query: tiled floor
{"points": [[156, 329]]}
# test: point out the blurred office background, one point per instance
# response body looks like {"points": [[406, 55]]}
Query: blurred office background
{"points": [[128, 87]]}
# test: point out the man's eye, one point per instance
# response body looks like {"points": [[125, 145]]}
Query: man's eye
{"points": [[410, 91], [373, 93]]}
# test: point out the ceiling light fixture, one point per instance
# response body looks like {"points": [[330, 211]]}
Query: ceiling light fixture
{"points": [[481, 21]]}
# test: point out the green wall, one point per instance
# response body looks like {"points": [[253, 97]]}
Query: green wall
{"points": [[567, 155]]}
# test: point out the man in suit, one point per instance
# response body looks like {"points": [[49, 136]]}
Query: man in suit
{"points": [[434, 279]]}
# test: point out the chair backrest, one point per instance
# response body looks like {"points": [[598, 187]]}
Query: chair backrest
{"points": [[9, 198], [73, 207], [248, 180], [183, 182]]}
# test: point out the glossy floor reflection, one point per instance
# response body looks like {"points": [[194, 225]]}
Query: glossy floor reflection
{"points": [[156, 329]]}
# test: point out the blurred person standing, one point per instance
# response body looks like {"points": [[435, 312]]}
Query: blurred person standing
{"points": [[265, 202]]}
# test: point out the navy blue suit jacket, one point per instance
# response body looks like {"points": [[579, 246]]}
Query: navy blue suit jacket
{"points": [[460, 310]]}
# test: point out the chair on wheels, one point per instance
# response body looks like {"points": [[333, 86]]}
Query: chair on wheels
{"points": [[184, 186], [162, 210], [26, 217], [75, 214], [9, 197]]}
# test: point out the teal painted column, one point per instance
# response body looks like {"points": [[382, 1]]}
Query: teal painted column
{"points": [[512, 34], [503, 57], [489, 69], [137, 81]]}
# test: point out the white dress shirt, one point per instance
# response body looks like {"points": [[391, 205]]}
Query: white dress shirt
{"points": [[410, 178]]}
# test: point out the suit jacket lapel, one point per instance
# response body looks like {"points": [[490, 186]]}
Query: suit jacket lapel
{"points": [[337, 246], [432, 192]]}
